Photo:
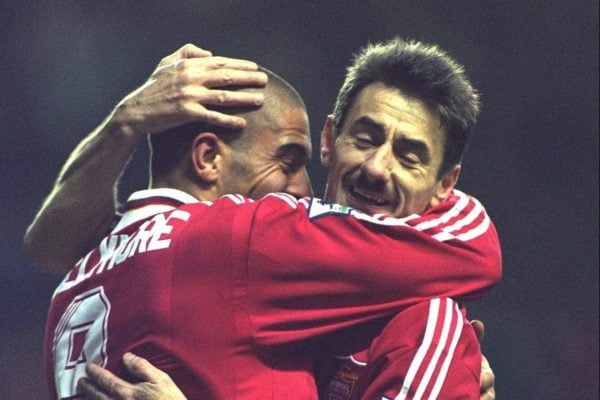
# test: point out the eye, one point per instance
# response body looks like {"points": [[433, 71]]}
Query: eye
{"points": [[412, 153], [410, 159], [289, 162], [363, 140], [292, 157]]}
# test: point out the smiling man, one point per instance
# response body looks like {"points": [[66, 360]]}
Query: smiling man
{"points": [[387, 158], [258, 291]]}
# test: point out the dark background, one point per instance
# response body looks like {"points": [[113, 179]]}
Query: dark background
{"points": [[533, 162]]}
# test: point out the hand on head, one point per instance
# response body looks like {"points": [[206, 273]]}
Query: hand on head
{"points": [[183, 87]]}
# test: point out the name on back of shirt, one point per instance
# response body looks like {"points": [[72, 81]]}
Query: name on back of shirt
{"points": [[152, 235]]}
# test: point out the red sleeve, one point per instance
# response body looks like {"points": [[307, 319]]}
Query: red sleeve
{"points": [[314, 268], [427, 351]]}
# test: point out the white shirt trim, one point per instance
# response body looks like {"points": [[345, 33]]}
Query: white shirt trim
{"points": [[176, 194], [138, 214]]}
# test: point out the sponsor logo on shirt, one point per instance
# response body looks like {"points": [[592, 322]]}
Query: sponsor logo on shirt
{"points": [[320, 208]]}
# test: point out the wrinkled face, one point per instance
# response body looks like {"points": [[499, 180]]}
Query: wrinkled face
{"points": [[386, 156], [275, 159]]}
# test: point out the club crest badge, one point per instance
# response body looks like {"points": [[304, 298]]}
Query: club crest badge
{"points": [[343, 384]]}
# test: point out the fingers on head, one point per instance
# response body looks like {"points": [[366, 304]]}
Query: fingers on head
{"points": [[188, 50], [230, 98], [187, 76], [212, 63]]}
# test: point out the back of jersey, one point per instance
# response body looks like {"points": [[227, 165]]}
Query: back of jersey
{"points": [[116, 299]]}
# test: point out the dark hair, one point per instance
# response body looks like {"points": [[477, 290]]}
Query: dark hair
{"points": [[421, 71], [168, 148]]}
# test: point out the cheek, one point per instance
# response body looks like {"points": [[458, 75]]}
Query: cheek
{"points": [[421, 192], [347, 159], [347, 151], [414, 185], [273, 181]]}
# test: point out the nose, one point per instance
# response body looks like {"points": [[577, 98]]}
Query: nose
{"points": [[378, 166], [298, 184]]}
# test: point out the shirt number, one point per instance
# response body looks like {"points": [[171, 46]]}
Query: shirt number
{"points": [[79, 338]]}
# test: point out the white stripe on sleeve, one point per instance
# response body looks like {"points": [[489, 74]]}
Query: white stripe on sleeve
{"points": [[446, 364], [434, 308], [433, 363]]}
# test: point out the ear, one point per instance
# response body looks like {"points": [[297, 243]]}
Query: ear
{"points": [[207, 157], [445, 185], [327, 141]]}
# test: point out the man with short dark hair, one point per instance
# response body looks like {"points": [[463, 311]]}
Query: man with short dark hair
{"points": [[386, 160]]}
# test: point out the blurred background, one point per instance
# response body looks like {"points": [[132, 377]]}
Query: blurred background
{"points": [[533, 162]]}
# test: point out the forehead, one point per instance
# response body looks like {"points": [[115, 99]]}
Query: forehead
{"points": [[396, 113], [284, 128]]}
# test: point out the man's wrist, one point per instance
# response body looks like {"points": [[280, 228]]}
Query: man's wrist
{"points": [[119, 129]]}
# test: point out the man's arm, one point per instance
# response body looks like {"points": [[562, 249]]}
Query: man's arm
{"points": [[428, 350], [358, 268], [81, 205]]}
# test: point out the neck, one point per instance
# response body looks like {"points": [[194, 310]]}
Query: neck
{"points": [[171, 182]]}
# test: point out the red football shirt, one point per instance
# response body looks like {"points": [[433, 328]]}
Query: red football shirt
{"points": [[232, 298], [427, 351]]}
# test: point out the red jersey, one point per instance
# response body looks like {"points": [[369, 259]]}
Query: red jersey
{"points": [[427, 351], [232, 297]]}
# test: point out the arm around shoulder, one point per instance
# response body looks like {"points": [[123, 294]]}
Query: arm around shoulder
{"points": [[80, 207], [427, 351], [81, 204]]}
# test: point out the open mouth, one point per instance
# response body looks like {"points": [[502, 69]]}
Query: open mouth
{"points": [[368, 197]]}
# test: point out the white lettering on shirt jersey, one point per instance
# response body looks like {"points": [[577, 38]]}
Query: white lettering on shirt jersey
{"points": [[152, 235]]}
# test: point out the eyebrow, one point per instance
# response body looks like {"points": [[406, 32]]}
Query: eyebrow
{"points": [[296, 148], [415, 145], [371, 123]]}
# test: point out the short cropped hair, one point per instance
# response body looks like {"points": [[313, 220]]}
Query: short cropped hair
{"points": [[168, 148], [424, 72]]}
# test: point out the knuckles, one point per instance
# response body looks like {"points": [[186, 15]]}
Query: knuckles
{"points": [[188, 47], [221, 96]]}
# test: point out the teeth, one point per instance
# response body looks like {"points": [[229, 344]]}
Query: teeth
{"points": [[369, 198]]}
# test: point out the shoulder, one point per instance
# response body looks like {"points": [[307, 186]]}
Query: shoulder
{"points": [[460, 217]]}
